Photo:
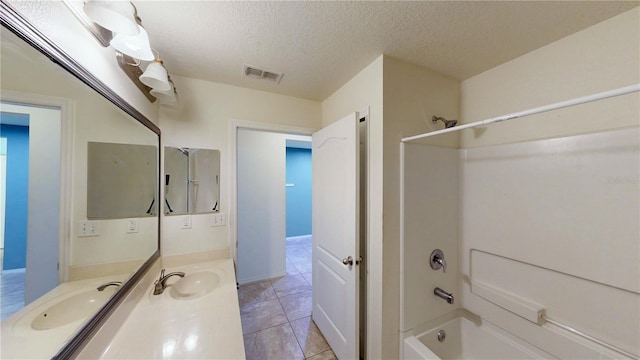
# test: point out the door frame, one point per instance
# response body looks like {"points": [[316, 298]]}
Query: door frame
{"points": [[373, 251], [65, 106]]}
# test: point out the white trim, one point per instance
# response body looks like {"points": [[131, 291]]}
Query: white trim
{"points": [[234, 125], [537, 110], [299, 238], [66, 146]]}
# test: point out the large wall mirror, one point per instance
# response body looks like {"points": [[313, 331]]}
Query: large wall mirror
{"points": [[58, 246], [191, 180]]}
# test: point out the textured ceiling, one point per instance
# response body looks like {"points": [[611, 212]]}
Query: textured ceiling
{"points": [[320, 45]]}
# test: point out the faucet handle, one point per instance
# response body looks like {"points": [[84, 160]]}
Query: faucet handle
{"points": [[437, 260], [161, 273]]}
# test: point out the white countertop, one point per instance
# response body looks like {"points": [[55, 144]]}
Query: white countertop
{"points": [[161, 327]]}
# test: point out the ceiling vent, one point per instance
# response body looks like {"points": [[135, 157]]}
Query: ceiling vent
{"points": [[254, 72]]}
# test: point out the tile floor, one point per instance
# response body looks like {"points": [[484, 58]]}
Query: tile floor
{"points": [[276, 313], [11, 292]]}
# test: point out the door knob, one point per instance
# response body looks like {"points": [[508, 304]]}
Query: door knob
{"points": [[348, 261]]}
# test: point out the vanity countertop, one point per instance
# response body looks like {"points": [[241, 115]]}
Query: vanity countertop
{"points": [[207, 327]]}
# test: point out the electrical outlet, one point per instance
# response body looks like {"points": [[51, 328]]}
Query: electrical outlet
{"points": [[88, 228], [132, 226], [186, 222]]}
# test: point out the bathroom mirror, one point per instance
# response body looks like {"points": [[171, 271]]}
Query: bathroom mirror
{"points": [[65, 245], [191, 180]]}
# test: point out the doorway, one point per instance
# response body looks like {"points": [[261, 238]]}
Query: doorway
{"points": [[31, 195], [274, 245]]}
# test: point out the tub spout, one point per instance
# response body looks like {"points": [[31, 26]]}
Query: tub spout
{"points": [[443, 294]]}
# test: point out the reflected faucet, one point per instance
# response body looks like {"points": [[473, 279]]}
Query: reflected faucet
{"points": [[161, 283], [443, 294], [112, 283]]}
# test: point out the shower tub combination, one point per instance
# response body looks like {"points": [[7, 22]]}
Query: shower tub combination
{"points": [[462, 335]]}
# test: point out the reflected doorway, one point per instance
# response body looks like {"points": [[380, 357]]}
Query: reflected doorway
{"points": [[31, 175]]}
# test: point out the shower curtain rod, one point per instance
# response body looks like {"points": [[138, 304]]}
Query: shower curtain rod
{"points": [[537, 110]]}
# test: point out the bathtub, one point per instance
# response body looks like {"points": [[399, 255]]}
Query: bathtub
{"points": [[466, 336]]}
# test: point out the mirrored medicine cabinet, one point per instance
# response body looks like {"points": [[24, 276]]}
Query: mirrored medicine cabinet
{"points": [[191, 180]]}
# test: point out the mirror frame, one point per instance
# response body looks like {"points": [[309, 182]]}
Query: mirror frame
{"points": [[19, 25]]}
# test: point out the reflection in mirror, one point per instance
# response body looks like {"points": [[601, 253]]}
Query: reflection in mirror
{"points": [[122, 180], [192, 180], [55, 256]]}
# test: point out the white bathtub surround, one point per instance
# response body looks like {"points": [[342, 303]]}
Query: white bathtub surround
{"points": [[534, 219], [161, 326], [20, 340], [466, 336]]}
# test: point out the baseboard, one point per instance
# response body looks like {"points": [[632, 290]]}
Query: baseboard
{"points": [[259, 278], [293, 239]]}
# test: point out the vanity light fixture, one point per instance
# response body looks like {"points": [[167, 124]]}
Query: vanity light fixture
{"points": [[137, 46], [117, 23], [117, 16], [155, 76], [169, 97]]}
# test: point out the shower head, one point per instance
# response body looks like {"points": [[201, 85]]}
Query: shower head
{"points": [[447, 123]]}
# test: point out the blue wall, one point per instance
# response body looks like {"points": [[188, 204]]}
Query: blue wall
{"points": [[298, 196], [15, 230]]}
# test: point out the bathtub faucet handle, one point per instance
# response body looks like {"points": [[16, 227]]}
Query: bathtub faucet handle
{"points": [[437, 260]]}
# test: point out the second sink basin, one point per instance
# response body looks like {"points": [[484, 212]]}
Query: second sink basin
{"points": [[194, 285], [72, 308]]}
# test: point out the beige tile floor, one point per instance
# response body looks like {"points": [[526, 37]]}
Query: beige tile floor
{"points": [[11, 292], [276, 313]]}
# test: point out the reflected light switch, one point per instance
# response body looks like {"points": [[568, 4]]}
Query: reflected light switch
{"points": [[132, 226], [218, 219]]}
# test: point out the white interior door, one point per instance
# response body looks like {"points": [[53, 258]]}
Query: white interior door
{"points": [[335, 234]]}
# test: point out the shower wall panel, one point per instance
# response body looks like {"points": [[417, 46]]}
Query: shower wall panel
{"points": [[556, 222]]}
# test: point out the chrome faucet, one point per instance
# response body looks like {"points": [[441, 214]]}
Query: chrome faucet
{"points": [[443, 294], [437, 260], [112, 283], [161, 283]]}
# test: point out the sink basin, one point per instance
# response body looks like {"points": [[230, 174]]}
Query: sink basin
{"points": [[194, 285], [72, 308]]}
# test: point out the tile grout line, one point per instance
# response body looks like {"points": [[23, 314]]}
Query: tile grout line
{"points": [[291, 326]]}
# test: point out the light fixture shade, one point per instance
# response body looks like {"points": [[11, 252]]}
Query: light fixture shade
{"points": [[136, 46], [168, 97], [117, 16], [155, 76]]}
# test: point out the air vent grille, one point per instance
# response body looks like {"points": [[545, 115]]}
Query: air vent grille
{"points": [[257, 73]]}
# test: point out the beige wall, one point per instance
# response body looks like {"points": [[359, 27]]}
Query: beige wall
{"points": [[537, 216], [599, 58], [202, 121], [405, 96], [412, 94]]}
